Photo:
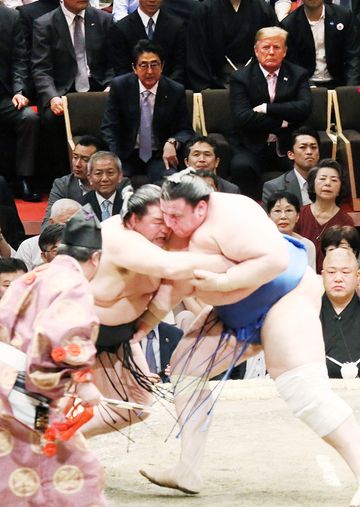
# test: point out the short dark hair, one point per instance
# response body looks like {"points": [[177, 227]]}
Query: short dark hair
{"points": [[12, 265], [79, 253], [332, 164], [282, 194], [336, 233], [304, 131], [147, 46], [201, 139], [88, 140], [186, 185], [138, 202], [51, 234]]}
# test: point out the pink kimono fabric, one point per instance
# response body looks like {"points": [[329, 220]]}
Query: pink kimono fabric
{"points": [[48, 314]]}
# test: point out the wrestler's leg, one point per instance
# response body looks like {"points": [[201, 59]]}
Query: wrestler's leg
{"points": [[193, 363], [295, 358], [117, 382]]}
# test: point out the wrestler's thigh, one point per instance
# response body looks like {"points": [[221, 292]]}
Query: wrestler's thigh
{"points": [[115, 381], [292, 334], [200, 349]]}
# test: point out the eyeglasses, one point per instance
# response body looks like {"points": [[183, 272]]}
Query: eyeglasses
{"points": [[51, 250], [149, 65]]}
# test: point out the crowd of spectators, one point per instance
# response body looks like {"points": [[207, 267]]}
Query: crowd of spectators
{"points": [[145, 54]]}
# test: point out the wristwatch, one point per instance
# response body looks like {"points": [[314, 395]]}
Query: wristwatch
{"points": [[172, 141]]}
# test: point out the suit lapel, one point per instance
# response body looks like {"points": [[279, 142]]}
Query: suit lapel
{"points": [[117, 203], [281, 84], [161, 101], [90, 33], [138, 25], [63, 31], [260, 84], [292, 185], [164, 346]]}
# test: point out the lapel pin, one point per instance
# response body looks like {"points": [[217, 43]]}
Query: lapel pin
{"points": [[92, 24], [167, 340], [339, 26], [286, 79], [331, 23]]}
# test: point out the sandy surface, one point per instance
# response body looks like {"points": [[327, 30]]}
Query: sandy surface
{"points": [[258, 454]]}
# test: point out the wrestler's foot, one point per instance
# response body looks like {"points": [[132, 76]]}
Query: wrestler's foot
{"points": [[355, 501], [167, 479]]}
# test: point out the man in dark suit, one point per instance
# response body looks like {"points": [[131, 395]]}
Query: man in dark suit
{"points": [[161, 343], [305, 155], [201, 154], [269, 99], [30, 12], [76, 184], [324, 40], [166, 30], [107, 181], [15, 114], [219, 31], [71, 52], [146, 119]]}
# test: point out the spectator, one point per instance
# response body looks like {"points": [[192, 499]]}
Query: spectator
{"points": [[29, 250], [146, 119], [304, 153], [284, 208], [107, 181], [158, 347], [201, 154], [323, 39], [181, 8], [269, 99], [10, 270], [340, 236], [340, 313], [152, 21], [49, 241], [15, 113], [220, 31], [71, 52], [326, 190], [31, 11], [76, 184]]}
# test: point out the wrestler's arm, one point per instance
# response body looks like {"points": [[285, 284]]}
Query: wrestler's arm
{"points": [[169, 294], [132, 251], [257, 248]]}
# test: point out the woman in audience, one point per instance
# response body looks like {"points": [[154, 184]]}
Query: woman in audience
{"points": [[326, 187], [284, 208], [343, 236]]}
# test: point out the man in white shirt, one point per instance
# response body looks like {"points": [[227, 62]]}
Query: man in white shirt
{"points": [[305, 154], [107, 181], [323, 39]]}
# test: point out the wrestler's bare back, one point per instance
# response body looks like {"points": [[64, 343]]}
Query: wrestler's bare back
{"points": [[121, 295]]}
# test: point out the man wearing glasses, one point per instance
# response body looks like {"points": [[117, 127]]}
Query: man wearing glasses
{"points": [[146, 120]]}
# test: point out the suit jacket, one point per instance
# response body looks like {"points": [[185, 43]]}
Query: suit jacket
{"points": [[169, 338], [30, 12], [53, 58], [66, 187], [91, 198], [227, 186], [181, 8], [342, 44], [292, 103], [208, 37], [169, 33], [121, 119], [287, 182], [14, 71]]}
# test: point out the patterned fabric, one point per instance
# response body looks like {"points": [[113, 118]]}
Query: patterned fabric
{"points": [[48, 314]]}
